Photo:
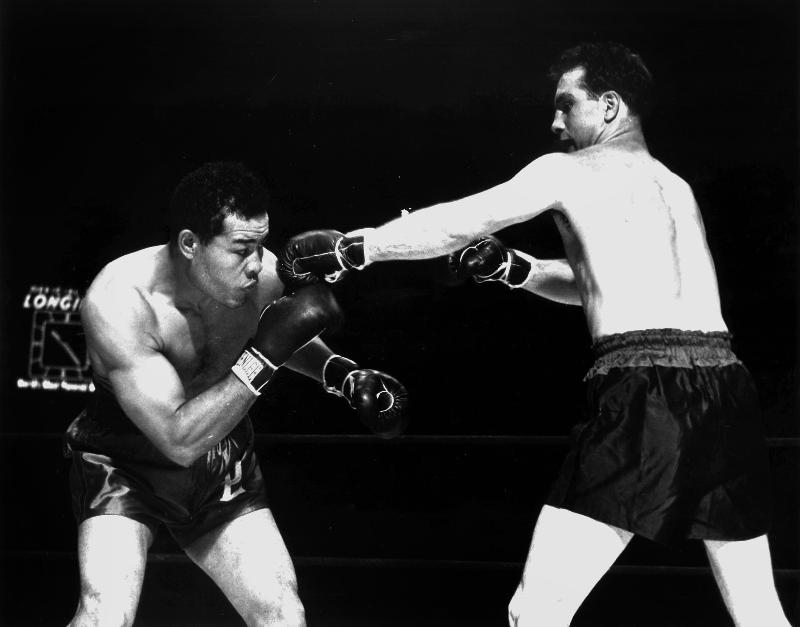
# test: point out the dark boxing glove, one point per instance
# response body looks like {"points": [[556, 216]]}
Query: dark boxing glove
{"points": [[487, 259], [285, 326], [315, 255], [379, 399]]}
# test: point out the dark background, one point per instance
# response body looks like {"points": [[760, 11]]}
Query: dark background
{"points": [[353, 110]]}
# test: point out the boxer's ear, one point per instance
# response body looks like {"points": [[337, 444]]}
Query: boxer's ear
{"points": [[187, 243], [611, 105]]}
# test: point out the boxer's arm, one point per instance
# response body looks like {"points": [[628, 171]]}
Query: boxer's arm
{"points": [[310, 359], [446, 227], [552, 279], [148, 387], [378, 398]]}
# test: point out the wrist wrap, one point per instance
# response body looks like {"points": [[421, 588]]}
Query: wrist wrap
{"points": [[336, 373], [253, 369]]}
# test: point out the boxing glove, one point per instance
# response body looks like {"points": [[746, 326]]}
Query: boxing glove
{"points": [[285, 326], [487, 259], [379, 399], [315, 255]]}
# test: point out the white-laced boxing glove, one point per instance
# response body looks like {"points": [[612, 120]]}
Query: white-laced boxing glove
{"points": [[487, 259], [379, 399]]}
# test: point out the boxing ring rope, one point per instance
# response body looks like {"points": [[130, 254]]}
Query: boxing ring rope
{"points": [[408, 563], [399, 563], [358, 438]]}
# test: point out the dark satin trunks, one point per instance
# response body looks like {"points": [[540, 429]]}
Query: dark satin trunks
{"points": [[117, 470], [672, 444]]}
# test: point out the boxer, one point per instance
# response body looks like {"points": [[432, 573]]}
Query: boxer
{"points": [[183, 338], [672, 446]]}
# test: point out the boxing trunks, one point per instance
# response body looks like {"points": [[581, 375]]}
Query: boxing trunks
{"points": [[672, 446], [117, 470]]}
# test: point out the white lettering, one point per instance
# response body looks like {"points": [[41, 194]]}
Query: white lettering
{"points": [[233, 480]]}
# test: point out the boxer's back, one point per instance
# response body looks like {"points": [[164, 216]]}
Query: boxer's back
{"points": [[636, 241]]}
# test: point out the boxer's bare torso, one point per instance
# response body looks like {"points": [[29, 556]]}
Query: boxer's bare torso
{"points": [[200, 340], [636, 243]]}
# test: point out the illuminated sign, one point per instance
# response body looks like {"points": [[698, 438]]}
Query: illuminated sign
{"points": [[57, 357]]}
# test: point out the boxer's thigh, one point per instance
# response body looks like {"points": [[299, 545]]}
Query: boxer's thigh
{"points": [[247, 558], [112, 555]]}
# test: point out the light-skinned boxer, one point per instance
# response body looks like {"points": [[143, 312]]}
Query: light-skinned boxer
{"points": [[672, 445]]}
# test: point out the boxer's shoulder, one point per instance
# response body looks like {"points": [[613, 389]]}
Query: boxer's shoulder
{"points": [[140, 271], [123, 291]]}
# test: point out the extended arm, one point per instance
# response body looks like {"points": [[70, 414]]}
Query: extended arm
{"points": [[446, 227], [430, 232]]}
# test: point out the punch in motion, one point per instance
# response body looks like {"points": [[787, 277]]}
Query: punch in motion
{"points": [[672, 445]]}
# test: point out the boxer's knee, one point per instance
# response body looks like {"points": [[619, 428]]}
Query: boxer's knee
{"points": [[284, 609], [542, 603]]}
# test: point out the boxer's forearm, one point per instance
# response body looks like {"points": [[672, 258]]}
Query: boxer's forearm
{"points": [[199, 423], [310, 359], [424, 234], [552, 279], [444, 228]]}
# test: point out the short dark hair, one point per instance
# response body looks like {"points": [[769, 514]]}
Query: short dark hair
{"points": [[205, 196], [610, 66]]}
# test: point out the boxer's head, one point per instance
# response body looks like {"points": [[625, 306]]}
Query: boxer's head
{"points": [[218, 223], [205, 197], [596, 82]]}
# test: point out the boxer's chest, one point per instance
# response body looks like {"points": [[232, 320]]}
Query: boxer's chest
{"points": [[202, 346]]}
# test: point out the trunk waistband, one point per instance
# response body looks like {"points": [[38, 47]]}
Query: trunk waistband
{"points": [[673, 348]]}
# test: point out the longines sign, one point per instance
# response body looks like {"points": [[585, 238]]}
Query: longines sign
{"points": [[57, 355]]}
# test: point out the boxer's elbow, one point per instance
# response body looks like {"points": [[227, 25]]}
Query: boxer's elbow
{"points": [[183, 456], [186, 457], [181, 449]]}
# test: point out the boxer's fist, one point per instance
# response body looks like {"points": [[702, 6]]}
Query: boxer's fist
{"points": [[487, 259], [286, 326], [315, 255], [379, 399]]}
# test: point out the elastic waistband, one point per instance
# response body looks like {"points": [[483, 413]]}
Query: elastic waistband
{"points": [[674, 348], [661, 338]]}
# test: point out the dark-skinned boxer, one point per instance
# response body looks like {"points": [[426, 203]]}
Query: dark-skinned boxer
{"points": [[183, 338]]}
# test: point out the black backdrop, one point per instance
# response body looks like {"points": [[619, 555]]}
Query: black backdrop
{"points": [[356, 109]]}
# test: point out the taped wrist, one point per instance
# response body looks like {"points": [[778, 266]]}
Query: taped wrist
{"points": [[350, 252], [519, 270], [337, 375], [514, 271], [253, 369]]}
